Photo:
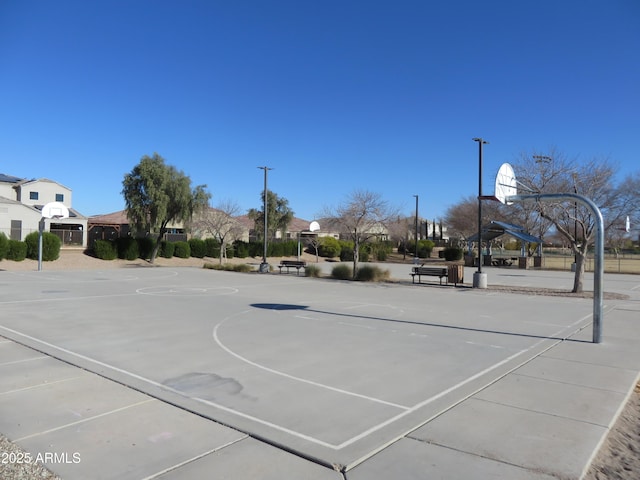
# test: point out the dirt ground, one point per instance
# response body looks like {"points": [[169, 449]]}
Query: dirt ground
{"points": [[618, 458]]}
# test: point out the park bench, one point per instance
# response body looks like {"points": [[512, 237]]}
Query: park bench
{"points": [[419, 272], [297, 264]]}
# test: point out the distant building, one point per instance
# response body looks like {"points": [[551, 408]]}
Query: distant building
{"points": [[21, 203], [116, 224]]}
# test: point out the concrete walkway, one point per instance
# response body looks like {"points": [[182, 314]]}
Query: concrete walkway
{"points": [[80, 395]]}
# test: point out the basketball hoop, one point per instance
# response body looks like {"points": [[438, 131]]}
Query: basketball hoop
{"points": [[52, 210], [506, 185], [55, 210]]}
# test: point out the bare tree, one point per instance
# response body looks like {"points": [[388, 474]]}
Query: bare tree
{"points": [[220, 223], [400, 230], [592, 179], [362, 215], [462, 218]]}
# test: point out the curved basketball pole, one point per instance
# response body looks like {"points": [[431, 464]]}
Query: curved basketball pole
{"points": [[599, 248]]}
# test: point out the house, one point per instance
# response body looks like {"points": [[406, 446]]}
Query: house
{"points": [[116, 224], [21, 203], [296, 226], [113, 225]]}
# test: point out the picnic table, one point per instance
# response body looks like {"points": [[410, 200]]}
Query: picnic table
{"points": [[503, 261]]}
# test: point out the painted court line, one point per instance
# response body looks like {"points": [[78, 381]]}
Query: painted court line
{"points": [[85, 420], [66, 299], [31, 359], [406, 410], [293, 377], [193, 459], [40, 385]]}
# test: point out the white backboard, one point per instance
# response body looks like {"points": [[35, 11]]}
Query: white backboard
{"points": [[55, 210], [505, 183], [314, 226]]}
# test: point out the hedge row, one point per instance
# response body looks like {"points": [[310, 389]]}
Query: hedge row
{"points": [[131, 248], [17, 250]]}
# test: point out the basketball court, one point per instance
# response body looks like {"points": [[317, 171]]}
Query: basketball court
{"points": [[331, 371]]}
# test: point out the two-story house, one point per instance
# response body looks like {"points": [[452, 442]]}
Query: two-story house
{"points": [[21, 203]]}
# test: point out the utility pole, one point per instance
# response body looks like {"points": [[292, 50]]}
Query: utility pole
{"points": [[415, 256], [264, 266], [480, 279]]}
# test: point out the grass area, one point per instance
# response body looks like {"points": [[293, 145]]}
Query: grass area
{"points": [[626, 264]]}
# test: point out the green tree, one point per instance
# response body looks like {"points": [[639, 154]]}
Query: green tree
{"points": [[156, 194], [279, 216]]}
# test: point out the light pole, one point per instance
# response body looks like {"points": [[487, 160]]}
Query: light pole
{"points": [[575, 222], [479, 278], [415, 256], [264, 266]]}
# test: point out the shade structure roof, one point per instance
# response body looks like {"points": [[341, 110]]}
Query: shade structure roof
{"points": [[497, 229]]}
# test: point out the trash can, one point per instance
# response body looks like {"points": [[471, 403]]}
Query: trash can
{"points": [[486, 260], [523, 262], [455, 274], [537, 261]]}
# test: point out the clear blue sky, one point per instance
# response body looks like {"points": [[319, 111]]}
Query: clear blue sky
{"points": [[335, 95]]}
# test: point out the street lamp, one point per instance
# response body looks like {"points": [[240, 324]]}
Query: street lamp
{"points": [[415, 256], [264, 266], [575, 221], [480, 279]]}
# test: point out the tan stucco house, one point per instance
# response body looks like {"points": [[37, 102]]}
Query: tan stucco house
{"points": [[21, 203]]}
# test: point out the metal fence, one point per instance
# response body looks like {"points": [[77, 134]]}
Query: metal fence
{"points": [[69, 237]]}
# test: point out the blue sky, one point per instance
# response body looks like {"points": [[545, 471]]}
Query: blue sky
{"points": [[333, 95]]}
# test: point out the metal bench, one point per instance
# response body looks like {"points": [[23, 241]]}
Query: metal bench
{"points": [[419, 272], [297, 264]]}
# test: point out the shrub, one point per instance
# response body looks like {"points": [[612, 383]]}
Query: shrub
{"points": [[4, 245], [372, 273], [381, 255], [105, 250], [182, 250], [50, 246], [452, 253], [290, 248], [329, 247], [275, 250], [197, 247], [241, 249], [211, 247], [238, 267], [167, 249], [380, 250], [312, 271], [424, 248], [127, 248], [145, 247], [17, 251], [256, 249], [346, 250], [342, 272]]}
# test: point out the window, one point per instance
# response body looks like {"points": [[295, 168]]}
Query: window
{"points": [[59, 197], [16, 230], [33, 195]]}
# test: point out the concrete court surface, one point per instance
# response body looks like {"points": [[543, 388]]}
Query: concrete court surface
{"points": [[185, 373]]}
